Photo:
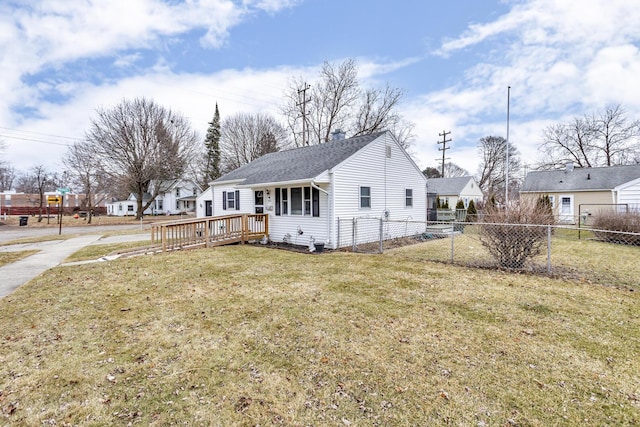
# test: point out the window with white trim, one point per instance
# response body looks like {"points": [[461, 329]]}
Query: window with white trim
{"points": [[231, 200], [365, 197], [298, 201], [408, 197]]}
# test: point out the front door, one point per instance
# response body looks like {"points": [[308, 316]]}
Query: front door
{"points": [[208, 211], [258, 201], [566, 209]]}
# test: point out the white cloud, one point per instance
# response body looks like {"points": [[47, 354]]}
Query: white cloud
{"points": [[561, 58]]}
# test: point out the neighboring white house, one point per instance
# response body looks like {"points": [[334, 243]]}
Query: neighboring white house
{"points": [[127, 207], [305, 191], [450, 190], [176, 197]]}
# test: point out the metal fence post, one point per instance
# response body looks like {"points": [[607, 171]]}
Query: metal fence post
{"points": [[380, 234], [452, 241], [353, 234], [549, 249]]}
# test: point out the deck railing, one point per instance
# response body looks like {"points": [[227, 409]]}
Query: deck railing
{"points": [[209, 231]]}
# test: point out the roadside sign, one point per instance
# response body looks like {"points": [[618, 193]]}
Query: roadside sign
{"points": [[53, 199], [63, 191]]}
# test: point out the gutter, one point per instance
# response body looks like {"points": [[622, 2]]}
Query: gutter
{"points": [[277, 184]]}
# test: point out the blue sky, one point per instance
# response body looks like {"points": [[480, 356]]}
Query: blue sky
{"points": [[61, 59]]}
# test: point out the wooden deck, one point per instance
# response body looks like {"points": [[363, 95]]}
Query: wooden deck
{"points": [[209, 231]]}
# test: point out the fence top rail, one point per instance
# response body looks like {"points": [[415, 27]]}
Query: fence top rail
{"points": [[468, 223], [202, 219]]}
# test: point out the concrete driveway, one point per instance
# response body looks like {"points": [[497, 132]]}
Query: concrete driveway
{"points": [[51, 253]]}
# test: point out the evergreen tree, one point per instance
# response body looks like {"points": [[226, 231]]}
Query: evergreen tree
{"points": [[544, 204], [212, 146], [471, 211], [460, 204]]}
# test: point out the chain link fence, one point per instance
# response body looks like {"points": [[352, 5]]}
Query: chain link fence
{"points": [[555, 250]]}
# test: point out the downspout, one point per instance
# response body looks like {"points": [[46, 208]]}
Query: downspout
{"points": [[313, 184], [329, 208]]}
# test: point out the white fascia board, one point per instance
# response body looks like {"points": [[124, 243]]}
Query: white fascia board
{"points": [[307, 181]]}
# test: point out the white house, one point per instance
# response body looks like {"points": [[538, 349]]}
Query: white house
{"points": [[127, 207], [175, 197], [450, 190], [305, 191]]}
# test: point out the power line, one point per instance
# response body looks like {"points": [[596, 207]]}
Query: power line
{"points": [[38, 133], [35, 140]]}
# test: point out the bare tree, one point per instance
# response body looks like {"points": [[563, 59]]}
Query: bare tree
{"points": [[618, 139], [491, 173], [7, 173], [37, 181], [87, 172], [245, 137], [336, 101], [142, 145], [606, 138], [431, 172], [7, 177], [451, 170]]}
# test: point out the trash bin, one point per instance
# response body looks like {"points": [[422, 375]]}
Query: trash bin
{"points": [[23, 220]]}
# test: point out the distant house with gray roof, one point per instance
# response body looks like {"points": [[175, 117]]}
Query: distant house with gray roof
{"points": [[585, 192], [305, 191], [452, 189]]}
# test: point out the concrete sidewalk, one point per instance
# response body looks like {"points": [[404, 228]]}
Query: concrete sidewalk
{"points": [[51, 254]]}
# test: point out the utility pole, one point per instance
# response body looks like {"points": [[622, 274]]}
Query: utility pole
{"points": [[444, 147], [506, 183], [305, 137]]}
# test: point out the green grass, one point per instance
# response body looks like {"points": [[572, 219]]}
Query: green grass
{"points": [[9, 257], [246, 335]]}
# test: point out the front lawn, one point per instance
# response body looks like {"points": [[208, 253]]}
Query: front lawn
{"points": [[245, 335]]}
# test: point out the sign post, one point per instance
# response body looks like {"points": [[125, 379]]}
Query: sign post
{"points": [[62, 191], [51, 200]]}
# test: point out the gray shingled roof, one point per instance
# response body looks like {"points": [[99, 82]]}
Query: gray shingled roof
{"points": [[453, 185], [299, 163], [580, 179]]}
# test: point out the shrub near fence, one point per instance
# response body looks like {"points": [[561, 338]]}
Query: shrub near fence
{"points": [[564, 251]]}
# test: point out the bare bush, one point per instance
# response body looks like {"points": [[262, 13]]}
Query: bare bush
{"points": [[514, 234], [618, 224]]}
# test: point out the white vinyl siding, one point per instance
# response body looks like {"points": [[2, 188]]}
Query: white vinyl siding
{"points": [[282, 224], [246, 200], [630, 194], [386, 176]]}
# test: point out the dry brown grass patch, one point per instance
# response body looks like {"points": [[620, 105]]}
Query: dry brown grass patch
{"points": [[245, 336]]}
